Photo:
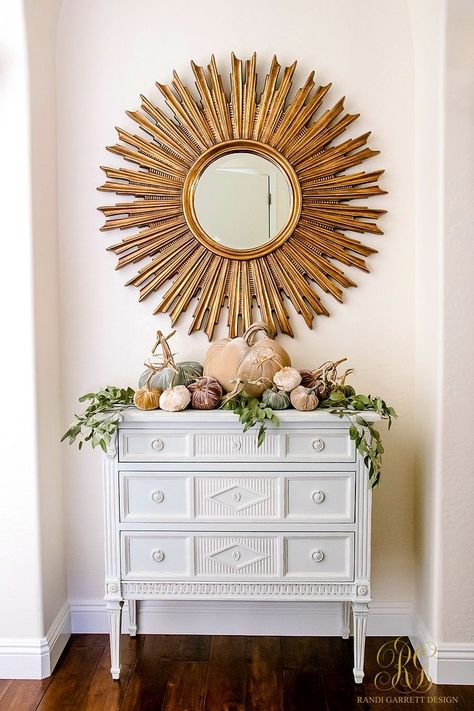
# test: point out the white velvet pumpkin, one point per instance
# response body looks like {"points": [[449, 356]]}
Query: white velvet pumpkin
{"points": [[244, 360], [175, 399], [287, 379]]}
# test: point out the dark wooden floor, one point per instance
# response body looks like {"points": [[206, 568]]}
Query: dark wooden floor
{"points": [[177, 673]]}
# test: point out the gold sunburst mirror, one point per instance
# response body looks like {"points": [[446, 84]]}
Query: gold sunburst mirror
{"points": [[242, 198]]}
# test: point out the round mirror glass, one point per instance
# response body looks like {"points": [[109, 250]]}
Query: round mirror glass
{"points": [[242, 200]]}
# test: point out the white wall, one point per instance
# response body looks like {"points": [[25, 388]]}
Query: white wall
{"points": [[428, 22], [41, 26], [444, 62], [20, 613], [33, 610], [107, 55], [457, 522]]}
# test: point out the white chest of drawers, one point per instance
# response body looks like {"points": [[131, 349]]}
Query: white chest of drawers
{"points": [[195, 510]]}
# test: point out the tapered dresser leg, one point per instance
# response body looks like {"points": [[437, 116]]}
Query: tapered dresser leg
{"points": [[346, 620], [132, 618], [360, 611], [114, 612]]}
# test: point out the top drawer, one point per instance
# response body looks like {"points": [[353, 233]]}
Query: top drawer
{"points": [[308, 445]]}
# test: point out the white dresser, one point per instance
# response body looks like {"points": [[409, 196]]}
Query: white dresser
{"points": [[195, 510]]}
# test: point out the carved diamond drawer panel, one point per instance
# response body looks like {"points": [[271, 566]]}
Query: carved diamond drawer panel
{"points": [[236, 556], [153, 556], [146, 497], [324, 556], [320, 446], [326, 498], [152, 446], [220, 497], [228, 446]]}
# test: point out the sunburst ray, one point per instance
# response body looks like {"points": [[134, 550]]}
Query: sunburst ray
{"points": [[300, 267]]}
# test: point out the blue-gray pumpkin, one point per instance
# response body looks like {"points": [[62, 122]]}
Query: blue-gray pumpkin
{"points": [[277, 400]]}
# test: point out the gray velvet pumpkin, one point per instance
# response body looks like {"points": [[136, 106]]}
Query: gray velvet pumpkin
{"points": [[277, 400], [169, 375]]}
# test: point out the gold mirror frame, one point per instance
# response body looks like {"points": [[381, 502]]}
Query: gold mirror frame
{"points": [[292, 134], [237, 146]]}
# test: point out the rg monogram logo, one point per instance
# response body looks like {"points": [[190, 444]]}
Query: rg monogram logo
{"points": [[401, 669]]}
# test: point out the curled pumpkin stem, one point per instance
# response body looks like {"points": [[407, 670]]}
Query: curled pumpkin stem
{"points": [[241, 384], [349, 371], [166, 355]]}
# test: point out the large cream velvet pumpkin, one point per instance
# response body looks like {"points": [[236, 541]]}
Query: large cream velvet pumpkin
{"points": [[236, 363]]}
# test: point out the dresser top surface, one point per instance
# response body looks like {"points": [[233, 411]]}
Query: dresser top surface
{"points": [[317, 418]]}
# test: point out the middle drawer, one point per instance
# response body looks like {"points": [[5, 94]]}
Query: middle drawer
{"points": [[324, 497]]}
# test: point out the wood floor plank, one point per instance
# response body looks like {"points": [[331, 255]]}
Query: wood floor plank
{"points": [[186, 688], [4, 684], [192, 648], [181, 673], [265, 678], [333, 651], [303, 690], [106, 694], [227, 674], [299, 653], [90, 640], [24, 694], [70, 683], [147, 687]]}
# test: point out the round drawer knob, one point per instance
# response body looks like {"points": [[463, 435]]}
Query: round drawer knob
{"points": [[158, 556], [158, 496], [318, 496], [237, 445], [157, 444], [318, 445], [236, 496], [236, 555], [317, 556]]}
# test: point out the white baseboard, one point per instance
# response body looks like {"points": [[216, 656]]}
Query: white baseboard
{"points": [[35, 658], [443, 662], [247, 618]]}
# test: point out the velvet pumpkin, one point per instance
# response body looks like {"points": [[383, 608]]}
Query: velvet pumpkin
{"points": [[238, 363], [287, 379], [147, 398], [175, 399], [167, 374], [276, 399], [303, 399], [206, 393]]}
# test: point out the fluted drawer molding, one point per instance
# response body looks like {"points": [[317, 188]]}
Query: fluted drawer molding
{"points": [[237, 556], [236, 497], [235, 446]]}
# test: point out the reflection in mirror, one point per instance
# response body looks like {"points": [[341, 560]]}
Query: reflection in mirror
{"points": [[242, 200]]}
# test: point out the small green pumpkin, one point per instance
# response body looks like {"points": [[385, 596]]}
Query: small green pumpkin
{"points": [[277, 400]]}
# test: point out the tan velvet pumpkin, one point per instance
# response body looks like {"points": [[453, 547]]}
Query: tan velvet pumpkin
{"points": [[147, 398], [245, 364]]}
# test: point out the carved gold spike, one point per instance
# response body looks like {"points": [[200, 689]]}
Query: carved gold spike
{"points": [[298, 135]]}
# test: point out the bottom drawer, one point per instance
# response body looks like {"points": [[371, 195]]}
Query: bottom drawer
{"points": [[148, 555], [153, 556], [324, 556]]}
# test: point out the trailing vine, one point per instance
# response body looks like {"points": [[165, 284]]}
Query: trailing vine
{"points": [[99, 421], [251, 412], [344, 402]]}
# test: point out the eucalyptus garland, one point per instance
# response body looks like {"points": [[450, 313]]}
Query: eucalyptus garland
{"points": [[344, 402], [99, 422], [100, 419], [251, 412]]}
